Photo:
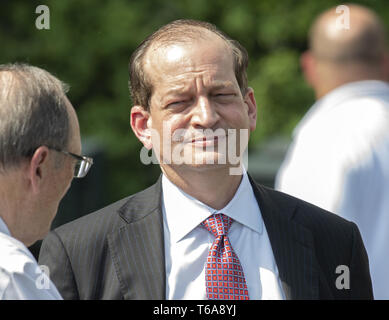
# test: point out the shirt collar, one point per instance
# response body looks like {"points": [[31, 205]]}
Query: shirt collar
{"points": [[184, 213], [4, 228]]}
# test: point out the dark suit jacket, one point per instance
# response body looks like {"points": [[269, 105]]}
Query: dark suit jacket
{"points": [[118, 251]]}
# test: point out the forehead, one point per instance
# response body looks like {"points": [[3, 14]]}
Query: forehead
{"points": [[204, 55]]}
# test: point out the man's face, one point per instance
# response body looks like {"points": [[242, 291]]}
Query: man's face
{"points": [[196, 100]]}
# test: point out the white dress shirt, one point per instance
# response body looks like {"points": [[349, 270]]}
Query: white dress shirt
{"points": [[339, 160], [187, 243], [20, 276]]}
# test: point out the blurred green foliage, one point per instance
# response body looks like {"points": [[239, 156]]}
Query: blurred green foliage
{"points": [[89, 44]]}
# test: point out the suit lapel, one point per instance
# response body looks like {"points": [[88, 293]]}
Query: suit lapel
{"points": [[137, 247], [292, 245]]}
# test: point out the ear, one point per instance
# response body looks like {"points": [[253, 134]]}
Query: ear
{"points": [[38, 168], [141, 124], [249, 99], [307, 62]]}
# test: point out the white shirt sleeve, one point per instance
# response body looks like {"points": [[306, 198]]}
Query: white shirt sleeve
{"points": [[21, 278], [32, 284]]}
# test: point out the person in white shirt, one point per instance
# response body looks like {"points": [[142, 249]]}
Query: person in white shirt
{"points": [[39, 140], [205, 229], [339, 156]]}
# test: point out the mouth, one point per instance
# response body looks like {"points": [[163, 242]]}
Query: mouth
{"points": [[207, 141], [200, 138]]}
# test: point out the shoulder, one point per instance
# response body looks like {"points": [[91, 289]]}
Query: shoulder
{"points": [[334, 239], [360, 114], [95, 227], [106, 215], [15, 255], [312, 217], [347, 133], [79, 240], [20, 275]]}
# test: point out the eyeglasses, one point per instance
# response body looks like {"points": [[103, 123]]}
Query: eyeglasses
{"points": [[83, 163]]}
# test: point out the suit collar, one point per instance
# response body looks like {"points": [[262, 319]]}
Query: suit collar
{"points": [[292, 244], [142, 203]]}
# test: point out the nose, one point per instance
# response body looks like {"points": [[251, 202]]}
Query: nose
{"points": [[204, 114]]}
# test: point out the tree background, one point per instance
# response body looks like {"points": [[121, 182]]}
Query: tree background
{"points": [[89, 44]]}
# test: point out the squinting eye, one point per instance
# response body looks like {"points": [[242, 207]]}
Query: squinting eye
{"points": [[177, 103], [224, 95]]}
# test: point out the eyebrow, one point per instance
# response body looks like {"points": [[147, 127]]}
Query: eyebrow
{"points": [[222, 85], [182, 90], [179, 90]]}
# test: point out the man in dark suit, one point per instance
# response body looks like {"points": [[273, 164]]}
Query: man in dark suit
{"points": [[205, 229]]}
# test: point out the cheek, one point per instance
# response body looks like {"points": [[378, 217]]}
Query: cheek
{"points": [[236, 117], [66, 179], [165, 129], [70, 177]]}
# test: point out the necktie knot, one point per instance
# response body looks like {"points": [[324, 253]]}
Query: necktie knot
{"points": [[218, 224]]}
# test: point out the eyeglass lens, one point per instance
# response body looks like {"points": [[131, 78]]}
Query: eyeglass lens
{"points": [[81, 168]]}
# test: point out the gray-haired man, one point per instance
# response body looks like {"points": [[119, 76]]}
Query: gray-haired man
{"points": [[39, 147]]}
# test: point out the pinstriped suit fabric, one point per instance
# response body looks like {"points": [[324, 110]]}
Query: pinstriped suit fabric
{"points": [[309, 243], [141, 266], [118, 251], [89, 255]]}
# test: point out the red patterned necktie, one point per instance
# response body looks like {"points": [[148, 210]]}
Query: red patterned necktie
{"points": [[224, 277]]}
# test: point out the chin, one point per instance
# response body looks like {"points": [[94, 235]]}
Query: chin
{"points": [[43, 232], [201, 167], [29, 242], [221, 160]]}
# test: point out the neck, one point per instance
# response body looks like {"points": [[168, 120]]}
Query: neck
{"points": [[214, 187], [13, 209], [334, 76]]}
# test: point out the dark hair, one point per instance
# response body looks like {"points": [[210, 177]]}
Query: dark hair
{"points": [[33, 112], [180, 30]]}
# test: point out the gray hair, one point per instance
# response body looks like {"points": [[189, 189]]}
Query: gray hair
{"points": [[33, 112]]}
